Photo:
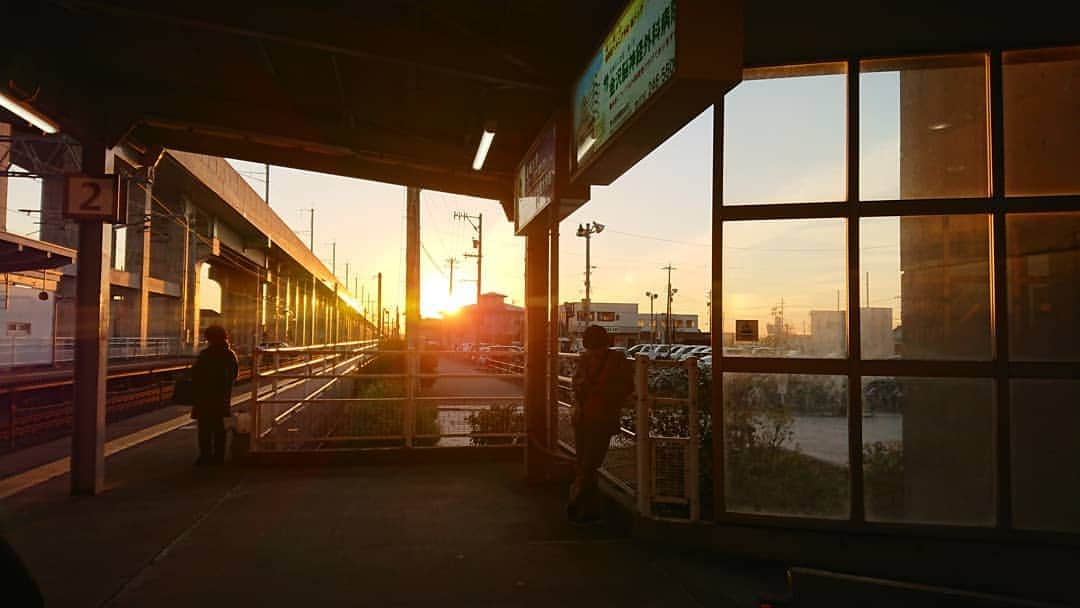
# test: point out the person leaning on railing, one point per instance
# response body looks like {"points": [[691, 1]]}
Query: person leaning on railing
{"points": [[603, 380], [212, 379]]}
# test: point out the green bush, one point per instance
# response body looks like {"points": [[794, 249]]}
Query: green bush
{"points": [[499, 418], [387, 417], [883, 466]]}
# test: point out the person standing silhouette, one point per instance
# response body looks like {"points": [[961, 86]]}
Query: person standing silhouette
{"points": [[602, 382], [212, 378]]}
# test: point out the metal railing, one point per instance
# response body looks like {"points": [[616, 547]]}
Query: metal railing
{"points": [[359, 396], [655, 455], [45, 408], [20, 351]]}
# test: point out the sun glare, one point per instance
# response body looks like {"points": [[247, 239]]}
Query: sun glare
{"points": [[435, 299]]}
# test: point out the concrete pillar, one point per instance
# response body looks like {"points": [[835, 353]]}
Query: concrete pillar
{"points": [[279, 332], [553, 332], [144, 209], [192, 302], [91, 341], [313, 311], [537, 461], [412, 266], [5, 148], [189, 276], [412, 306]]}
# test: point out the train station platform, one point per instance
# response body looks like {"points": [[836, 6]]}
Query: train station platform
{"points": [[169, 534]]}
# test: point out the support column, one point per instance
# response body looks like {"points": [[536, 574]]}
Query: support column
{"points": [[145, 209], [412, 302], [186, 270], [5, 156], [91, 341], [537, 460], [196, 295], [313, 311], [553, 332]]}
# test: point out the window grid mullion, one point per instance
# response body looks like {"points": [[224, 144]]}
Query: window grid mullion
{"points": [[1000, 310], [854, 355]]}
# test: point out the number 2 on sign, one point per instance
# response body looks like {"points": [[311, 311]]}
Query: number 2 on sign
{"points": [[91, 203]]}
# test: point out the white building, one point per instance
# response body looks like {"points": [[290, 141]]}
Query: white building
{"points": [[624, 322]]}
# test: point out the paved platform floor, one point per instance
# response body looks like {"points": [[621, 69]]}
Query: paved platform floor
{"points": [[168, 534]]}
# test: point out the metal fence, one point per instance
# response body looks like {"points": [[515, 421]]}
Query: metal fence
{"points": [[654, 457], [359, 396], [21, 351]]}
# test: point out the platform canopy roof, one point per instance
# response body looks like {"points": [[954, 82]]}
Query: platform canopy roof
{"points": [[399, 90], [21, 254]]}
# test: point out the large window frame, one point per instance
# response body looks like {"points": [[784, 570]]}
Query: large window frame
{"points": [[1000, 368]]}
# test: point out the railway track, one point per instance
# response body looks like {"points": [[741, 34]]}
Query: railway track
{"points": [[32, 413]]}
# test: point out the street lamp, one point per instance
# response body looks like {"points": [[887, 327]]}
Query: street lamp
{"points": [[652, 317], [586, 231]]}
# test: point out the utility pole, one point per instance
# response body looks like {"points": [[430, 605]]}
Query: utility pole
{"points": [[451, 261], [477, 222], [266, 197], [586, 231], [670, 295], [380, 309], [652, 316], [311, 228]]}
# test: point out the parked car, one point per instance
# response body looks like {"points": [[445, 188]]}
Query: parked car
{"points": [[505, 354], [696, 351], [678, 350], [657, 351], [637, 348]]}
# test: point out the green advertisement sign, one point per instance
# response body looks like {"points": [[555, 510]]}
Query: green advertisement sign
{"points": [[635, 61]]}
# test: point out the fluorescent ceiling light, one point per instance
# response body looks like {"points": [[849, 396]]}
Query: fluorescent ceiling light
{"points": [[485, 145], [28, 114]]}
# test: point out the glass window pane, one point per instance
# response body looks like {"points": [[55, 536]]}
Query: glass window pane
{"points": [[784, 136], [928, 450], [1044, 286], [1045, 454], [787, 276], [786, 444], [922, 128], [1042, 121], [925, 287]]}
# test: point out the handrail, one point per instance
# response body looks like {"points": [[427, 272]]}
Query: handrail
{"points": [[647, 491], [317, 348], [321, 416], [16, 387]]}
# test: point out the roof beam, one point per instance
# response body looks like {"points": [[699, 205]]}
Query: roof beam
{"points": [[231, 30]]}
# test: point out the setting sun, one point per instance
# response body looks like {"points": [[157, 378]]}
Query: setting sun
{"points": [[435, 299]]}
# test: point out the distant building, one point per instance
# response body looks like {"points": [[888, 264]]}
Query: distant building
{"points": [[828, 333], [493, 321], [625, 323], [618, 319], [877, 339]]}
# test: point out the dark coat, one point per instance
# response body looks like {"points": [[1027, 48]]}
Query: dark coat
{"points": [[601, 386], [212, 378]]}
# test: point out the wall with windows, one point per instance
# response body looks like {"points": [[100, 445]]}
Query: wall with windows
{"points": [[938, 196]]}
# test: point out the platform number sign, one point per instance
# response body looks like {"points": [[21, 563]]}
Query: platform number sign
{"points": [[93, 197]]}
